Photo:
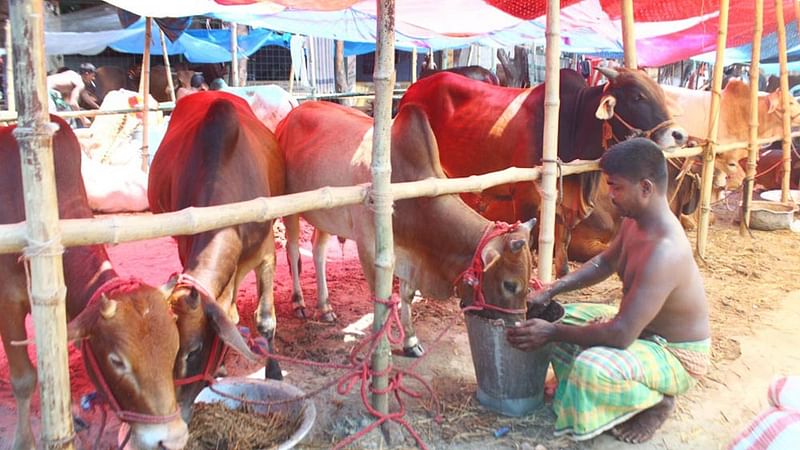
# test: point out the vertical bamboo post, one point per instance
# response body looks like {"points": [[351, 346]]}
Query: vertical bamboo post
{"points": [[713, 129], [234, 54], [414, 65], [628, 34], [383, 77], [445, 59], [144, 89], [758, 30], [170, 84], [550, 150], [34, 135], [785, 100], [11, 101]]}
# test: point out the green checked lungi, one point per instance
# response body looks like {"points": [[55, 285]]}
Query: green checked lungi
{"points": [[601, 387]]}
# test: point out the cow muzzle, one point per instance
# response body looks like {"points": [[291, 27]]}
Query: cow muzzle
{"points": [[170, 436], [670, 137]]}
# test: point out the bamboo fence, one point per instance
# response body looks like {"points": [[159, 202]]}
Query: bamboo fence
{"points": [[752, 154], [550, 146], [628, 34], [234, 54], [381, 197], [713, 130], [43, 249], [787, 124], [144, 89], [10, 100], [168, 68]]}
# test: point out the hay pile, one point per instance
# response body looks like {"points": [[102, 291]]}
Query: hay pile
{"points": [[217, 427]]}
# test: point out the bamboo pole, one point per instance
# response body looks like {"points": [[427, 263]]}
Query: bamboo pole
{"points": [[785, 100], [144, 89], [414, 65], [628, 34], [752, 154], [47, 292], [170, 84], [11, 101], [713, 129], [312, 67], [550, 150], [234, 54], [5, 116], [383, 77]]}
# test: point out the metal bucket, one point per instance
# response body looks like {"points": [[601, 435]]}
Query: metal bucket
{"points": [[268, 391], [510, 381]]}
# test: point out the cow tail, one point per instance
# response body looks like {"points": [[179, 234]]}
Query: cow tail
{"points": [[221, 130]]}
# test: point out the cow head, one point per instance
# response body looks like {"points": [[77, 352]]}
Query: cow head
{"points": [[133, 339], [506, 271], [632, 103], [775, 106], [201, 322]]}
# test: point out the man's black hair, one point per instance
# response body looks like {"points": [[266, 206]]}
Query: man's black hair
{"points": [[636, 159], [197, 80]]}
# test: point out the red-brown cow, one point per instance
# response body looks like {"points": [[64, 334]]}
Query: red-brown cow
{"points": [[128, 330], [215, 152], [435, 239], [482, 128]]}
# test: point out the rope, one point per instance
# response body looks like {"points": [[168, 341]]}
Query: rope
{"points": [[379, 202], [34, 249]]}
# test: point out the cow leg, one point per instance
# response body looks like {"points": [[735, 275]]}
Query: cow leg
{"points": [[292, 224], [320, 246], [265, 314], [23, 374], [411, 346]]}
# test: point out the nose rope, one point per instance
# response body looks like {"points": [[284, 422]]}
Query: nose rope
{"points": [[608, 131]]}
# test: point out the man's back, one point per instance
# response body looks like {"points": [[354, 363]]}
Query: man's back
{"points": [[684, 315]]}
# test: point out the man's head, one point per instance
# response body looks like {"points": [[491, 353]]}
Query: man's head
{"points": [[87, 71], [197, 81], [637, 173]]}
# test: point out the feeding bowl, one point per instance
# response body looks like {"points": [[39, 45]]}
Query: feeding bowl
{"points": [[775, 195], [263, 391], [510, 381], [770, 216]]}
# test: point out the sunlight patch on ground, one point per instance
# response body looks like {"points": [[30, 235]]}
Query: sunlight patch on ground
{"points": [[356, 329]]}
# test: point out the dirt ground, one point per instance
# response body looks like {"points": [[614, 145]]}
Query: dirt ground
{"points": [[753, 286]]}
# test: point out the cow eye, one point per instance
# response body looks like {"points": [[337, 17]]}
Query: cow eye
{"points": [[117, 363], [511, 286], [639, 97]]}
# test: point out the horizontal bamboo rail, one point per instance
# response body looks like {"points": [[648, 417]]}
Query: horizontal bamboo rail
{"points": [[8, 116]]}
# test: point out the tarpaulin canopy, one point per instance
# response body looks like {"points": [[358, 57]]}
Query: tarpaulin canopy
{"points": [[66, 35], [667, 31]]}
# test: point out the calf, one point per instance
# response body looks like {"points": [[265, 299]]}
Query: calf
{"points": [[436, 240], [130, 340]]}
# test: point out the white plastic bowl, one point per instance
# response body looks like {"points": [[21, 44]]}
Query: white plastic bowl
{"points": [[775, 195]]}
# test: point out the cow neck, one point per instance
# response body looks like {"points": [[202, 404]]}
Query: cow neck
{"points": [[86, 269]]}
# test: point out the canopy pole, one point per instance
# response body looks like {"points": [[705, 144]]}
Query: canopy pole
{"points": [[170, 84], [383, 78], [144, 89], [34, 135], [414, 65], [628, 34], [713, 129], [550, 147], [234, 54], [11, 101], [785, 100], [312, 67], [752, 153]]}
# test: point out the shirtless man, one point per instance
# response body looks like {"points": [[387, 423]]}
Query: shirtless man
{"points": [[65, 89], [619, 370]]}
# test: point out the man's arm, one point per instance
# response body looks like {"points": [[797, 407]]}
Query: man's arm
{"points": [[641, 303]]}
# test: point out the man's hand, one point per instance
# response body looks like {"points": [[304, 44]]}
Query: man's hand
{"points": [[530, 335]]}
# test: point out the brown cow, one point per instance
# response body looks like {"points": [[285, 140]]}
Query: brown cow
{"points": [[435, 239], [693, 108], [482, 128], [127, 328], [111, 78], [216, 151], [474, 72]]}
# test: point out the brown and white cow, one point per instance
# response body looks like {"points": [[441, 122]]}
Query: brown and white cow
{"points": [[215, 152], [692, 112], [125, 325], [482, 128], [435, 239]]}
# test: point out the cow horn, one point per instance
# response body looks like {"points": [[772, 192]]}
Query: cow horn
{"points": [[107, 307], [529, 225], [610, 73]]}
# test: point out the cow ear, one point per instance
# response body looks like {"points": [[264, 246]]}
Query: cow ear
{"points": [[226, 330], [490, 257], [606, 109], [773, 101], [80, 327]]}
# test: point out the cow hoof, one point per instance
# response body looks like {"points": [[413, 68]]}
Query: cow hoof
{"points": [[272, 371], [415, 351], [300, 313], [266, 330], [329, 317]]}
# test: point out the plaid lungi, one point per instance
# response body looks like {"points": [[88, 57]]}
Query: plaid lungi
{"points": [[601, 387]]}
